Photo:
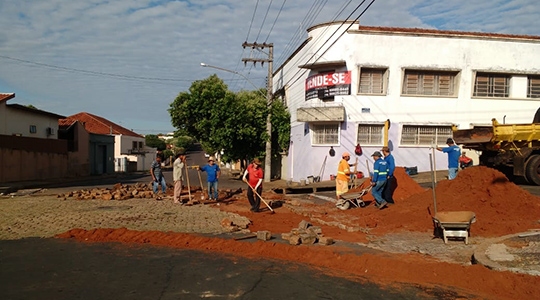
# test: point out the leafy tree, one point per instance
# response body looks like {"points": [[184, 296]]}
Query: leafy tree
{"points": [[233, 122], [153, 141]]}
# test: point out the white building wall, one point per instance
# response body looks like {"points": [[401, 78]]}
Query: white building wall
{"points": [[123, 146], [397, 52], [18, 122]]}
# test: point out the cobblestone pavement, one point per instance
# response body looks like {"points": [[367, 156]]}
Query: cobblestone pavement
{"points": [[46, 216]]}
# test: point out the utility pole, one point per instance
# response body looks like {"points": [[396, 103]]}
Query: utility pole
{"points": [[270, 60]]}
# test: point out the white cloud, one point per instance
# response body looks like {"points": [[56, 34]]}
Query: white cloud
{"points": [[169, 39]]}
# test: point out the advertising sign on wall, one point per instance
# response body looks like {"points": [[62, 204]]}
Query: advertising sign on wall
{"points": [[326, 85]]}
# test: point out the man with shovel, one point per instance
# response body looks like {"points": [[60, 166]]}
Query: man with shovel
{"points": [[254, 178], [378, 181]]}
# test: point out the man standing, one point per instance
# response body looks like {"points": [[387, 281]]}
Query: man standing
{"points": [[212, 175], [254, 178], [465, 161], [380, 173], [343, 175], [178, 167], [391, 183], [157, 177], [453, 152]]}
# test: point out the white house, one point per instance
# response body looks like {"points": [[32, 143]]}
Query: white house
{"points": [[346, 81], [20, 120]]}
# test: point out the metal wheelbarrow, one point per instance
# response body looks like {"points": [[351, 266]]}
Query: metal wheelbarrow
{"points": [[354, 198], [454, 224]]}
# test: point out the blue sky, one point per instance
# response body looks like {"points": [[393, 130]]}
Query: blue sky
{"points": [[126, 60]]}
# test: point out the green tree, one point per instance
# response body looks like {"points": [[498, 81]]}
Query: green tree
{"points": [[281, 128], [153, 141]]}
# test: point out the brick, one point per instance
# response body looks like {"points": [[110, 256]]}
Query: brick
{"points": [[315, 229], [264, 235], [308, 238], [106, 197], [323, 240], [294, 240], [304, 224], [286, 236]]}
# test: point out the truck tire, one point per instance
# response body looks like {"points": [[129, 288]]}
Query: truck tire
{"points": [[532, 169]]}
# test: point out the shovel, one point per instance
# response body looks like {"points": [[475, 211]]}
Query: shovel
{"points": [[254, 191]]}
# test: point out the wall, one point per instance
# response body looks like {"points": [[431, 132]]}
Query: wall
{"points": [[17, 122], [398, 52], [101, 154], [21, 161], [124, 145]]}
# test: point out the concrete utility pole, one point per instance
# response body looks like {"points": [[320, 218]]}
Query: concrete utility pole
{"points": [[270, 61]]}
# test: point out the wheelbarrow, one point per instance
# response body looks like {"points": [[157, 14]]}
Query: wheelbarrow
{"points": [[354, 198], [454, 224]]}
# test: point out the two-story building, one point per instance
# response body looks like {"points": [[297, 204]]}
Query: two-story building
{"points": [[403, 87]]}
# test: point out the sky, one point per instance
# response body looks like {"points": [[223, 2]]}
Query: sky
{"points": [[127, 60]]}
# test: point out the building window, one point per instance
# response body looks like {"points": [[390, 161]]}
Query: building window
{"points": [[370, 134], [33, 129], [491, 85], [325, 134], [533, 86], [133, 145], [420, 135], [372, 81], [432, 83], [140, 145]]}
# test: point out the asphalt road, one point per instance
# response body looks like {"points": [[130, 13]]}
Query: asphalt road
{"points": [[63, 269]]}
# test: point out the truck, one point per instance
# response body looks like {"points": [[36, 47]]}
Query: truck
{"points": [[513, 149]]}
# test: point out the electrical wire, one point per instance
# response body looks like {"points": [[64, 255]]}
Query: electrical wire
{"points": [[275, 20]]}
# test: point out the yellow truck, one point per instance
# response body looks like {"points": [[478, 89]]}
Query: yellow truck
{"points": [[513, 149]]}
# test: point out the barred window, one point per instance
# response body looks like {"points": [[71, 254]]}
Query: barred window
{"points": [[372, 81], [370, 134], [436, 83], [491, 85], [33, 129], [425, 135], [325, 134], [533, 86]]}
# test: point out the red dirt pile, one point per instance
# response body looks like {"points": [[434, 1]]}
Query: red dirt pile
{"points": [[385, 269]]}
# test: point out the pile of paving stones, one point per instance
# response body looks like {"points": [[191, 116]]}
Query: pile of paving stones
{"points": [[118, 192], [306, 234]]}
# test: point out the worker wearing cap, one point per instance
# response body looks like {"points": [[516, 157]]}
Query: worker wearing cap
{"points": [[343, 175], [391, 183], [213, 172], [378, 180], [453, 152]]}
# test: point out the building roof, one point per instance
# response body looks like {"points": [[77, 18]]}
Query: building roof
{"points": [[6, 96], [98, 125], [35, 111]]}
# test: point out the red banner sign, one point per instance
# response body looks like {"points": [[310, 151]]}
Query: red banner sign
{"points": [[328, 85]]}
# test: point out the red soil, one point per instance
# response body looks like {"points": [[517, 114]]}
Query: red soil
{"points": [[500, 206]]}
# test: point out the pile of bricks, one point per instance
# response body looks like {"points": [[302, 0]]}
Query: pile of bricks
{"points": [[306, 234], [118, 192]]}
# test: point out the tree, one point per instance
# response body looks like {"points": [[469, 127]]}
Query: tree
{"points": [[153, 141], [281, 128]]}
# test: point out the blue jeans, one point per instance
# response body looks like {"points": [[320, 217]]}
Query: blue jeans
{"points": [[212, 190], [377, 191], [158, 182], [452, 173]]}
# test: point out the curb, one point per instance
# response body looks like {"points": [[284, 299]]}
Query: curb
{"points": [[480, 256]]}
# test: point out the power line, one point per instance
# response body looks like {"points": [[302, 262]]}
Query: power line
{"points": [[252, 18], [275, 20], [264, 20]]}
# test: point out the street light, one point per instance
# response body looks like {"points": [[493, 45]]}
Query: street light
{"points": [[268, 152]]}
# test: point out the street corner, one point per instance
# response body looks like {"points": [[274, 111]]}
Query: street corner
{"points": [[519, 253]]}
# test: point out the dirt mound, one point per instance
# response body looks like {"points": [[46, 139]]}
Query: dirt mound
{"points": [[501, 207]]}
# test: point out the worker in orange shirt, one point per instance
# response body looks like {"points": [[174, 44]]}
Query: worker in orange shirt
{"points": [[343, 175], [465, 161]]}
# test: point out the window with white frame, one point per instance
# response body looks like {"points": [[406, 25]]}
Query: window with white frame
{"points": [[325, 134], [425, 135], [373, 81], [491, 85], [370, 134], [533, 86], [429, 82]]}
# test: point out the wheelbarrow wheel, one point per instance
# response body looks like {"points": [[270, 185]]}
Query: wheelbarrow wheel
{"points": [[343, 204]]}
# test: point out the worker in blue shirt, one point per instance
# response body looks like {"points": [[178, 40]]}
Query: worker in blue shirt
{"points": [[453, 152], [378, 181], [391, 183]]}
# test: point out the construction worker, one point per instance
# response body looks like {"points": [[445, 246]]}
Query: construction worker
{"points": [[343, 175], [465, 161], [178, 178], [391, 183], [378, 181], [453, 152]]}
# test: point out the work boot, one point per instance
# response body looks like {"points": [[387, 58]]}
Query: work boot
{"points": [[382, 205]]}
